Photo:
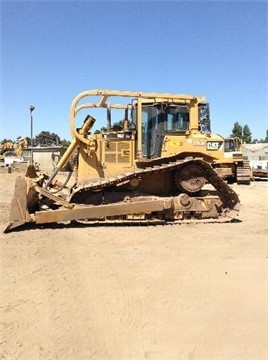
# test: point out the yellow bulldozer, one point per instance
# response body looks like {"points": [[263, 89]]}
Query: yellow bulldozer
{"points": [[153, 163]]}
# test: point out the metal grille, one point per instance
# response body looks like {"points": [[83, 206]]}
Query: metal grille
{"points": [[111, 146], [117, 152], [110, 158], [123, 159], [123, 146]]}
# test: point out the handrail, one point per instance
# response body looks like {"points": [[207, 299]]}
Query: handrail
{"points": [[105, 94]]}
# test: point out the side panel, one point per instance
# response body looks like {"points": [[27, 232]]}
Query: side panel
{"points": [[195, 145], [114, 155]]}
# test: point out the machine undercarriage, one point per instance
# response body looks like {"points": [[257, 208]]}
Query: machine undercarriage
{"points": [[124, 198]]}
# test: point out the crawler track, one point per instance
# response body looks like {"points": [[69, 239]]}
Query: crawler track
{"points": [[226, 195], [217, 205], [243, 173]]}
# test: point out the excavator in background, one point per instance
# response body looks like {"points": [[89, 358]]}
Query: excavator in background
{"points": [[4, 147], [13, 149], [158, 167]]}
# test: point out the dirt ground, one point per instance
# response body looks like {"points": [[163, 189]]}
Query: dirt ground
{"points": [[175, 292]]}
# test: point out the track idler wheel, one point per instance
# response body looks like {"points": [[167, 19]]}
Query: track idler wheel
{"points": [[190, 178]]}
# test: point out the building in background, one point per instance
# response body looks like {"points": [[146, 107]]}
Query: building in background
{"points": [[45, 157], [257, 154]]}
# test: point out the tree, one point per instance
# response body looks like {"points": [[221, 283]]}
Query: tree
{"points": [[6, 141], [65, 143], [237, 130], [266, 137], [243, 132], [45, 138], [116, 126], [28, 140], [102, 129], [246, 137]]}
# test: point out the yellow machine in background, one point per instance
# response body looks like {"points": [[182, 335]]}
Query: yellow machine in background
{"points": [[230, 163], [154, 163], [15, 148]]}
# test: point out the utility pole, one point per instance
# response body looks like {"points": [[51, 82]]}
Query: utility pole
{"points": [[31, 114]]}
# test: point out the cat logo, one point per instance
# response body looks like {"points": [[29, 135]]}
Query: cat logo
{"points": [[214, 145]]}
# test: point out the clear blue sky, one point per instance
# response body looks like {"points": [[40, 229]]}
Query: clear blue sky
{"points": [[53, 50]]}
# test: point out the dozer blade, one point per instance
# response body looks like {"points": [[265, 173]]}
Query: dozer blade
{"points": [[18, 209]]}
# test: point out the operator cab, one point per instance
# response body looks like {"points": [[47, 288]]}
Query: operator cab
{"points": [[158, 120], [232, 144], [163, 118]]}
